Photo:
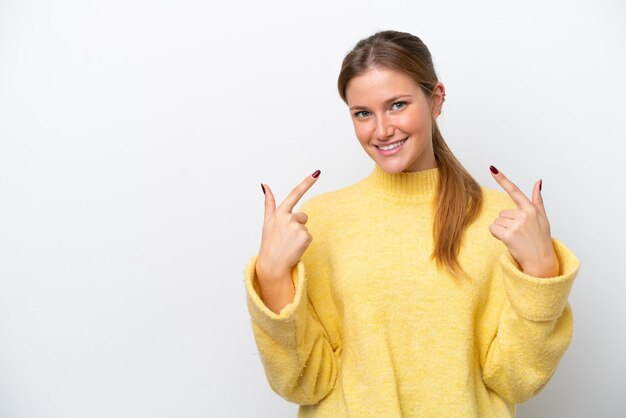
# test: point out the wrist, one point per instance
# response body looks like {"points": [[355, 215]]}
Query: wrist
{"points": [[276, 294], [267, 279], [269, 274], [544, 270]]}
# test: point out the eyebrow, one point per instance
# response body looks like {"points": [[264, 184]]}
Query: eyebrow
{"points": [[388, 101]]}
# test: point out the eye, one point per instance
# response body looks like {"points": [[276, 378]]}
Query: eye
{"points": [[362, 114], [398, 105]]}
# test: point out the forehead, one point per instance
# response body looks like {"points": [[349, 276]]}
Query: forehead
{"points": [[379, 84]]}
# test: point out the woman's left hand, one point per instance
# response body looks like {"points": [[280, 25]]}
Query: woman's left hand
{"points": [[526, 230]]}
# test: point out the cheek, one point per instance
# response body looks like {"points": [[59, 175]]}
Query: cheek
{"points": [[362, 131], [417, 122]]}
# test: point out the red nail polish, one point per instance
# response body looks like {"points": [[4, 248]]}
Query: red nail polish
{"points": [[540, 184], [262, 188], [316, 174], [493, 169]]}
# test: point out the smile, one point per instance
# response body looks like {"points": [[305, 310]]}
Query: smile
{"points": [[391, 148]]}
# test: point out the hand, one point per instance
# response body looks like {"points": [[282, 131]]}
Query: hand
{"points": [[526, 230], [285, 236]]}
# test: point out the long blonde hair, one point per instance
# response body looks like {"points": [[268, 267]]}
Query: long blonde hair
{"points": [[459, 196]]}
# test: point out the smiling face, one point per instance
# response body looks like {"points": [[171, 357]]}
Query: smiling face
{"points": [[388, 107]]}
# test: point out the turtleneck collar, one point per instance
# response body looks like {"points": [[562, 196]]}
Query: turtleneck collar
{"points": [[412, 186]]}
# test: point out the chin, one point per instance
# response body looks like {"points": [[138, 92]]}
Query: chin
{"points": [[391, 168]]}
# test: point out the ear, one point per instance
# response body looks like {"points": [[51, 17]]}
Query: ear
{"points": [[439, 96]]}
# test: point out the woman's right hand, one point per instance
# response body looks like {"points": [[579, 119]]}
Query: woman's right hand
{"points": [[285, 236]]}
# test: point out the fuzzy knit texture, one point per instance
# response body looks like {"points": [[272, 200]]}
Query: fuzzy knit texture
{"points": [[376, 329]]}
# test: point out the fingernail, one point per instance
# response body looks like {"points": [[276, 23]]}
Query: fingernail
{"points": [[493, 169], [316, 174], [262, 188], [540, 183]]}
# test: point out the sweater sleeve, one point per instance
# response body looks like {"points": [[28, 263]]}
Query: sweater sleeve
{"points": [[295, 349], [534, 329]]}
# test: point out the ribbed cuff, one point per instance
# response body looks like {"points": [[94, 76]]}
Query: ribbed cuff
{"points": [[279, 326], [536, 298]]}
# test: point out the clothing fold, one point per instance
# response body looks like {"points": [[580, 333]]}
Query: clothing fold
{"points": [[298, 360], [535, 327]]}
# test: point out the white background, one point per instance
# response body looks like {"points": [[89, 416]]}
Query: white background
{"points": [[134, 137]]}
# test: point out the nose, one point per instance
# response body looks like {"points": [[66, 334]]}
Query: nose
{"points": [[384, 128]]}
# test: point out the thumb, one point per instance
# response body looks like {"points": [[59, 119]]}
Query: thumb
{"points": [[270, 202]]}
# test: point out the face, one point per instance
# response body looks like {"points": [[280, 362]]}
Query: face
{"points": [[387, 107]]}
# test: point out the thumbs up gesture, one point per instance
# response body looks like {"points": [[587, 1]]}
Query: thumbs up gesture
{"points": [[525, 230], [285, 236]]}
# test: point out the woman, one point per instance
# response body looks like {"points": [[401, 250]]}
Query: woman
{"points": [[402, 296]]}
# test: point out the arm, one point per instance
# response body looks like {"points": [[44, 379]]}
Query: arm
{"points": [[535, 327], [277, 293], [294, 345]]}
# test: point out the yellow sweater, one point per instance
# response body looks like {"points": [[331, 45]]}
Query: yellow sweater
{"points": [[377, 330]]}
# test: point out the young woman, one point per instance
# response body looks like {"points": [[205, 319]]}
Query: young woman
{"points": [[415, 292]]}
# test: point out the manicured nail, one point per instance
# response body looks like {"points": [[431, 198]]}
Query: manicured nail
{"points": [[540, 183], [262, 188], [493, 169], [316, 174]]}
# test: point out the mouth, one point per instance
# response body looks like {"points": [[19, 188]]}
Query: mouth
{"points": [[402, 141], [396, 147]]}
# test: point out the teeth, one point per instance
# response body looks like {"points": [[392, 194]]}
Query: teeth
{"points": [[392, 146]]}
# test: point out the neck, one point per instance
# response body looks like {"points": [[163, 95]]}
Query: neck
{"points": [[410, 186]]}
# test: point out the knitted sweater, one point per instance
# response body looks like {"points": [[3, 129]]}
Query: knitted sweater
{"points": [[376, 329]]}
